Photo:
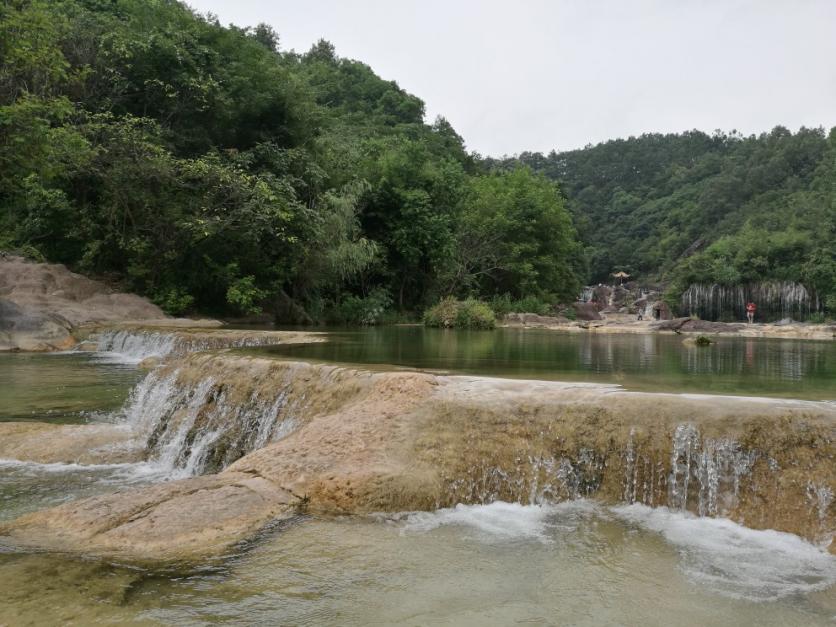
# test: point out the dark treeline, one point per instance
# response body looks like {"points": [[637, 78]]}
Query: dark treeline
{"points": [[209, 169], [698, 208]]}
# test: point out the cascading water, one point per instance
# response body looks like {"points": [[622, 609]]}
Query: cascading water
{"points": [[713, 467], [193, 428], [681, 468], [135, 345], [774, 300]]}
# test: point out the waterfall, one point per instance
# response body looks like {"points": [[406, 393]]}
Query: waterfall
{"points": [[713, 467], [684, 470], [775, 300], [192, 427], [135, 345]]}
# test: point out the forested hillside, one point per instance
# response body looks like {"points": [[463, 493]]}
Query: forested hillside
{"points": [[704, 208], [209, 169]]}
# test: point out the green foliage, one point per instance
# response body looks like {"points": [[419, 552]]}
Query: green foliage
{"points": [[516, 237], [473, 314], [694, 207], [245, 296], [468, 314], [442, 315], [204, 166], [174, 301], [817, 317], [504, 304], [367, 311]]}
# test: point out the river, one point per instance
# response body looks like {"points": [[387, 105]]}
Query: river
{"points": [[576, 562], [641, 362]]}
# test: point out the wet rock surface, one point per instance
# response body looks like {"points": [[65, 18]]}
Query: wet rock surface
{"points": [[366, 442], [69, 444]]}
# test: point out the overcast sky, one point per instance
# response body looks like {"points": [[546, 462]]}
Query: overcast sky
{"points": [[539, 75]]}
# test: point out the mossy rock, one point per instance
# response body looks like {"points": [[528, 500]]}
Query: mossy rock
{"points": [[700, 340]]}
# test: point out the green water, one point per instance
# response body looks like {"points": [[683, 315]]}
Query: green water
{"points": [[644, 362], [61, 387], [501, 564]]}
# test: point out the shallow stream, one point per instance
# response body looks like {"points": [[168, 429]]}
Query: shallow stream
{"points": [[573, 563]]}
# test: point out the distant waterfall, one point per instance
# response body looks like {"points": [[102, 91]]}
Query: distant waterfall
{"points": [[775, 300], [136, 345]]}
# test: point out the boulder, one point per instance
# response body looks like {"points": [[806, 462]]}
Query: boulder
{"points": [[31, 330], [41, 303], [587, 311]]}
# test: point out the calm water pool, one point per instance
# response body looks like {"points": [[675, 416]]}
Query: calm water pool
{"points": [[62, 387], [662, 363]]}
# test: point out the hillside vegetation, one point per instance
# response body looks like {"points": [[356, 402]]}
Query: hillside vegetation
{"points": [[208, 168], [698, 208]]}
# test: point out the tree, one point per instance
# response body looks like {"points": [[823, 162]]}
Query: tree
{"points": [[517, 237]]}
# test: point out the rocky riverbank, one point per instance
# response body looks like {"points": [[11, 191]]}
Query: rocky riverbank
{"points": [[43, 305], [272, 439], [624, 323]]}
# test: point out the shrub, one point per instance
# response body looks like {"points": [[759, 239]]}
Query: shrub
{"points": [[174, 302], [533, 304], [816, 317], [502, 305], [442, 315], [367, 311], [244, 296], [473, 314], [468, 314]]}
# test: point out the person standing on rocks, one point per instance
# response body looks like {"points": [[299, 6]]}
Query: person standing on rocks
{"points": [[750, 312]]}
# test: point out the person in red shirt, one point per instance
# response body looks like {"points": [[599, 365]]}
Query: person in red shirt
{"points": [[750, 312]]}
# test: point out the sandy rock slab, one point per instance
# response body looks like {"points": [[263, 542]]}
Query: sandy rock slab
{"points": [[45, 443], [29, 330], [175, 521], [402, 441]]}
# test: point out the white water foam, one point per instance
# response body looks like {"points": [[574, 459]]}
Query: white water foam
{"points": [[500, 520], [139, 471], [133, 346], [735, 561]]}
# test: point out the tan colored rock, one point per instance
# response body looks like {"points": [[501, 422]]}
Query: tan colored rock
{"points": [[41, 303], [405, 441], [173, 521], [53, 289], [70, 444]]}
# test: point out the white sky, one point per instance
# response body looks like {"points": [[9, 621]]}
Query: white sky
{"points": [[541, 75]]}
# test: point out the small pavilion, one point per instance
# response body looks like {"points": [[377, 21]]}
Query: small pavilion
{"points": [[621, 276]]}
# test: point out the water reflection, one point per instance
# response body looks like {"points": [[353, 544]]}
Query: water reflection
{"points": [[789, 368], [61, 387]]}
